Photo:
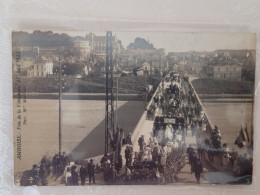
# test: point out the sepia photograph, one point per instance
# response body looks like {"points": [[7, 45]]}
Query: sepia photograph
{"points": [[133, 108]]}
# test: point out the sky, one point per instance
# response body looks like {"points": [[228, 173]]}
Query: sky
{"points": [[182, 42]]}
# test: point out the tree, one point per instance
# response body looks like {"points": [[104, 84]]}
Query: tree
{"points": [[41, 38]]}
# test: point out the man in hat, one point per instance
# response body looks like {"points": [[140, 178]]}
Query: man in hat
{"points": [[127, 155], [55, 164], [64, 161], [128, 139], [35, 175], [43, 173], [74, 175], [190, 151], [198, 169], [83, 174], [91, 172]]}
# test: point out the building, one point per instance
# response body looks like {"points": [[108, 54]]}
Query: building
{"points": [[227, 72], [40, 68], [144, 69], [98, 45], [81, 49], [156, 57]]}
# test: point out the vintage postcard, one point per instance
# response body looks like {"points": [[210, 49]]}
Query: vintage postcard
{"points": [[139, 108]]}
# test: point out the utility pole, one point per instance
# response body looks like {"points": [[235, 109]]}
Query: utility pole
{"points": [[60, 93], [116, 98], [109, 120]]}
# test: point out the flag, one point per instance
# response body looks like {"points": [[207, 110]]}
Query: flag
{"points": [[241, 140], [247, 135]]}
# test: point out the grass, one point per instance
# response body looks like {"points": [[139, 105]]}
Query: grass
{"points": [[133, 85], [222, 86]]}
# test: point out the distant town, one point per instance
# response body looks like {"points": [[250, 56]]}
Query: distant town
{"points": [[83, 60]]}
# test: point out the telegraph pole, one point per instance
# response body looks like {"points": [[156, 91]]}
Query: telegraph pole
{"points": [[116, 98], [109, 120], [60, 88]]}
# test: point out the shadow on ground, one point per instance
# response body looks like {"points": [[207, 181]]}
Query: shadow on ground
{"points": [[94, 144]]}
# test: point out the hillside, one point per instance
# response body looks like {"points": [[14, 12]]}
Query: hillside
{"points": [[222, 86], [133, 85]]}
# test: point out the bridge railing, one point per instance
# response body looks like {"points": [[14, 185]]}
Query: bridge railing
{"points": [[144, 115], [203, 108], [155, 93]]}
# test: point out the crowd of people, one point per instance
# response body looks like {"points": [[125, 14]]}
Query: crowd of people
{"points": [[38, 175], [180, 102], [73, 173], [154, 162], [59, 162], [163, 156]]}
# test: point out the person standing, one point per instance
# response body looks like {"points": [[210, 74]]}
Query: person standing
{"points": [[194, 161], [74, 175], [118, 164], [190, 151], [198, 170], [64, 161], [192, 126], [34, 175], [68, 179], [43, 174], [127, 155], [83, 174], [91, 171], [141, 142], [55, 164], [128, 139]]}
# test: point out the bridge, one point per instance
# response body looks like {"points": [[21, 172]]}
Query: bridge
{"points": [[169, 102], [145, 127]]}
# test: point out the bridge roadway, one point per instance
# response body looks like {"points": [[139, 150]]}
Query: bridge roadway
{"points": [[145, 127], [210, 173]]}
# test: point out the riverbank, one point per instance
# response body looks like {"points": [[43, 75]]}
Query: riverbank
{"points": [[227, 100], [222, 86], [238, 96], [126, 84], [82, 96]]}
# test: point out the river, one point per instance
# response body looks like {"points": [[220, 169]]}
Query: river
{"points": [[229, 115], [83, 126]]}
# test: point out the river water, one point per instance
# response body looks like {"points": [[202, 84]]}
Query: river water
{"points": [[83, 126], [229, 115]]}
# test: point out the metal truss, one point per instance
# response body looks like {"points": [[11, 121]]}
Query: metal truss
{"points": [[110, 142]]}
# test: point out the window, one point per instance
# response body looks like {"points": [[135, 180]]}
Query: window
{"points": [[222, 69]]}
